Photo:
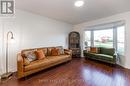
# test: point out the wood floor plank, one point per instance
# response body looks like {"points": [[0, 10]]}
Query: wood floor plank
{"points": [[78, 72]]}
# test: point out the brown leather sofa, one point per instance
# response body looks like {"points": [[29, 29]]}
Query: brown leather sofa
{"points": [[39, 65]]}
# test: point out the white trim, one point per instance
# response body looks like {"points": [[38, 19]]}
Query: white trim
{"points": [[105, 25], [115, 37]]}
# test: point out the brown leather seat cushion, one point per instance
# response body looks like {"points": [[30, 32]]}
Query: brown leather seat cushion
{"points": [[45, 62]]}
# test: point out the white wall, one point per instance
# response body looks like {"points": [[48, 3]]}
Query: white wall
{"points": [[1, 37], [30, 31], [125, 61]]}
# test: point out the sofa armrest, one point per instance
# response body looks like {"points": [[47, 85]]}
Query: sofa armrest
{"points": [[20, 65], [115, 56], [66, 49], [68, 52], [85, 52]]}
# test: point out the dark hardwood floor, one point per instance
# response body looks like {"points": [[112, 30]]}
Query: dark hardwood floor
{"points": [[77, 72]]}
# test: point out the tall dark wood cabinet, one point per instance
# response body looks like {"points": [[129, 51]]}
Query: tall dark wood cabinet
{"points": [[74, 44]]}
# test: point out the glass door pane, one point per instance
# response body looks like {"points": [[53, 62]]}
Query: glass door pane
{"points": [[103, 38]]}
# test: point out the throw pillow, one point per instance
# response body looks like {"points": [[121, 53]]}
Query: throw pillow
{"points": [[26, 62], [55, 52], [40, 54], [94, 50], [31, 56], [60, 49]]}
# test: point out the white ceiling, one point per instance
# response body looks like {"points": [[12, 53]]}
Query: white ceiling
{"points": [[64, 10]]}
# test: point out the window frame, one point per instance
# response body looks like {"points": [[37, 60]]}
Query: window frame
{"points": [[115, 37]]}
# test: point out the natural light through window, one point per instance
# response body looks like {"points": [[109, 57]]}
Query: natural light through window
{"points": [[88, 38], [120, 39], [113, 37], [103, 38]]}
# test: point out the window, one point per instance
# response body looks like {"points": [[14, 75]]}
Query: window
{"points": [[120, 39], [87, 38], [112, 36], [103, 38]]}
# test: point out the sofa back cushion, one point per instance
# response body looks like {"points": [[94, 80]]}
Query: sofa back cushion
{"points": [[49, 51], [107, 51], [55, 52], [46, 50], [61, 50], [40, 54], [30, 50]]}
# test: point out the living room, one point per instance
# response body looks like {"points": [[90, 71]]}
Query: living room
{"points": [[46, 23]]}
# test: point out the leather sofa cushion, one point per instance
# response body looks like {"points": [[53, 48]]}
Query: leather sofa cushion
{"points": [[45, 62], [32, 50], [49, 51], [58, 58]]}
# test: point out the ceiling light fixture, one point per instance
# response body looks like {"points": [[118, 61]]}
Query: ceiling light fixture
{"points": [[79, 3]]}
